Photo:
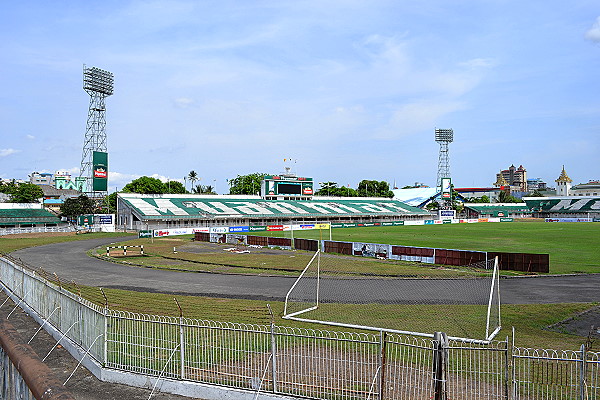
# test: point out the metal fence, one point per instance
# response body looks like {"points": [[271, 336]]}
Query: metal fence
{"points": [[12, 384], [36, 229], [318, 364]]}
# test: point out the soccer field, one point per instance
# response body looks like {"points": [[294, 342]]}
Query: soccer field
{"points": [[573, 247]]}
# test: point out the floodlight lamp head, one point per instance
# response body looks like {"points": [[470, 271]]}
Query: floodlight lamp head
{"points": [[98, 81], [444, 135]]}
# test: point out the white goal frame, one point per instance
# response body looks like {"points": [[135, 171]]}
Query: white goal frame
{"points": [[489, 336]]}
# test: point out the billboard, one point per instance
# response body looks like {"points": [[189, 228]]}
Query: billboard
{"points": [[446, 188], [100, 165], [275, 185]]}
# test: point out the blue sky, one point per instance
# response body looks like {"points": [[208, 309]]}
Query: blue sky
{"points": [[350, 90]]}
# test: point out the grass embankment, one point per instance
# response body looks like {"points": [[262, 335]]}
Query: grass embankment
{"points": [[10, 243], [573, 247]]}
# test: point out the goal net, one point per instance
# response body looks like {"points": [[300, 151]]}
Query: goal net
{"points": [[396, 296]]}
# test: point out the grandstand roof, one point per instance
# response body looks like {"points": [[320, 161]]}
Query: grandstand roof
{"points": [[190, 206], [416, 197], [12, 216], [563, 205]]}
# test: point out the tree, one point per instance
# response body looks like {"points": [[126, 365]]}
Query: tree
{"points": [[331, 189], [193, 177], [76, 206], [8, 188], [110, 203], [536, 193], [246, 184], [201, 189], [432, 206], [145, 185], [505, 197], [175, 187], [367, 188], [26, 193]]}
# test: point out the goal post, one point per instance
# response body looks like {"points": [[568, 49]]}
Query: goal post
{"points": [[467, 308]]}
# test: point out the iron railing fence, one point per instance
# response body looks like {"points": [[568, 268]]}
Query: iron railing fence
{"points": [[36, 229], [310, 363], [12, 384]]}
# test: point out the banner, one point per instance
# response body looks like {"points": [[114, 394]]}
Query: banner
{"points": [[100, 166], [569, 220], [235, 229], [144, 234], [322, 226], [257, 228]]}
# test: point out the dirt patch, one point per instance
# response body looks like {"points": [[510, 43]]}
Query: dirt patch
{"points": [[584, 324]]}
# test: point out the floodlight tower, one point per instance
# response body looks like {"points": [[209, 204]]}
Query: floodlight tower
{"points": [[98, 84], [444, 137]]}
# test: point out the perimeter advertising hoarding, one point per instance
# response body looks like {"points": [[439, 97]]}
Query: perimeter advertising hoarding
{"points": [[100, 164]]}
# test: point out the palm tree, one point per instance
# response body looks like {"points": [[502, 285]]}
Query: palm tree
{"points": [[193, 177]]}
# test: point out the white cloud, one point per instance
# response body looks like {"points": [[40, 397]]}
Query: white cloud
{"points": [[8, 152], [594, 33], [412, 118], [478, 63], [30, 137], [183, 102]]}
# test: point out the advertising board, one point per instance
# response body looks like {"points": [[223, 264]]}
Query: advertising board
{"points": [[100, 165]]}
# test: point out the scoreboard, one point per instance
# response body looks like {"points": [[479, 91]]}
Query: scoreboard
{"points": [[286, 185]]}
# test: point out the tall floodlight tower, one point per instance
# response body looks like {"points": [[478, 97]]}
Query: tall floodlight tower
{"points": [[444, 137], [98, 84]]}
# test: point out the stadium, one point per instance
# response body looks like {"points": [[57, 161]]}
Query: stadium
{"points": [[284, 199]]}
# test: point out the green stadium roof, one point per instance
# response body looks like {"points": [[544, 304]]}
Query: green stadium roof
{"points": [[185, 207], [563, 206], [13, 216]]}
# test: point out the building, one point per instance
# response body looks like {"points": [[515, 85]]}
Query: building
{"points": [[538, 184], [41, 178], [563, 184], [592, 188], [176, 211], [15, 217], [516, 178], [567, 209]]}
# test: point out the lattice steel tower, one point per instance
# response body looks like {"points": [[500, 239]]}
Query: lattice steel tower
{"points": [[98, 84], [444, 137]]}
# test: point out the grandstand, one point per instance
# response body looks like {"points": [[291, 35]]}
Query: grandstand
{"points": [[26, 217], [587, 207], [144, 211]]}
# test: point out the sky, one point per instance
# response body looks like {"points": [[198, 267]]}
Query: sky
{"points": [[347, 90]]}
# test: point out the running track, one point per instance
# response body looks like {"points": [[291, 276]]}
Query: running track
{"points": [[70, 262]]}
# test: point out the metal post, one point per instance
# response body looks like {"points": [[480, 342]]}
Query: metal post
{"points": [[382, 362], [439, 365], [273, 350], [507, 367], [582, 373]]}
